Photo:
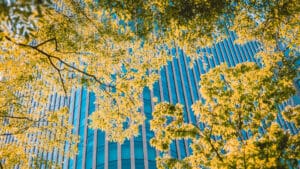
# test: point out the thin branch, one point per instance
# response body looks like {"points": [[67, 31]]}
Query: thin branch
{"points": [[33, 122], [209, 140], [56, 46], [212, 146], [59, 73], [49, 57], [16, 117], [62, 61], [49, 40], [20, 131], [41, 119]]}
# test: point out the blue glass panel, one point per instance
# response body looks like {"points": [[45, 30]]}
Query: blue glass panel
{"points": [[182, 149], [245, 53], [126, 164], [193, 84], [90, 135], [248, 51], [125, 155], [186, 79], [172, 83], [237, 52], [164, 85], [112, 155], [147, 103], [218, 54], [139, 163], [76, 109], [235, 49], [152, 164], [242, 54], [75, 117], [173, 150], [81, 128], [197, 72], [100, 149], [230, 52], [149, 133], [139, 154], [138, 150], [225, 54], [156, 91], [178, 81]]}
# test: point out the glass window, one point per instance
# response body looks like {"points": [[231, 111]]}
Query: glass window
{"points": [[112, 155], [230, 52], [182, 148], [172, 84], [100, 149], [151, 155], [219, 53], [173, 150], [225, 54], [139, 154], [90, 134], [156, 91], [125, 155], [147, 103], [164, 84], [81, 127]]}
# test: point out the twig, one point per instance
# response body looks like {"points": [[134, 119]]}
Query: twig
{"points": [[60, 60], [16, 117], [60, 76]]}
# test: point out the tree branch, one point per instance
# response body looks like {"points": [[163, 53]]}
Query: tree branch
{"points": [[61, 61], [56, 45], [212, 146], [209, 141], [59, 73], [49, 40], [16, 117]]}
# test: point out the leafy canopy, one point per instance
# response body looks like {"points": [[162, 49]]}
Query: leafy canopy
{"points": [[114, 48], [239, 102]]}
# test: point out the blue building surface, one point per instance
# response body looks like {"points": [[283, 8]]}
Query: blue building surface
{"points": [[178, 84]]}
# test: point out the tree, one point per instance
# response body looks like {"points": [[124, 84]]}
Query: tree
{"points": [[191, 24], [70, 49], [269, 22], [239, 101], [115, 48], [21, 17]]}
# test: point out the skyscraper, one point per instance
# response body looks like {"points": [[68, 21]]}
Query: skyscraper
{"points": [[178, 84]]}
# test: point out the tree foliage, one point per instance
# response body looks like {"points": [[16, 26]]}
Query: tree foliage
{"points": [[20, 18], [115, 49], [239, 102]]}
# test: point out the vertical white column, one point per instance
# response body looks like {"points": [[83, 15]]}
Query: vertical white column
{"points": [[87, 100], [106, 153], [77, 109], [119, 156], [95, 150], [132, 155]]}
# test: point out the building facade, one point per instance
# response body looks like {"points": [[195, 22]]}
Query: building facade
{"points": [[178, 84]]}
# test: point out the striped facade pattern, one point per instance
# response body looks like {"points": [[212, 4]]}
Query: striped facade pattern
{"points": [[178, 84]]}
